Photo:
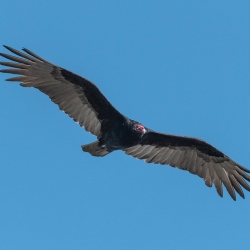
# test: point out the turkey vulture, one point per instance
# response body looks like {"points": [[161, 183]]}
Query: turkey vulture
{"points": [[84, 102]]}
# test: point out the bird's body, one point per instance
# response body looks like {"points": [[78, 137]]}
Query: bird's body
{"points": [[84, 102], [119, 136]]}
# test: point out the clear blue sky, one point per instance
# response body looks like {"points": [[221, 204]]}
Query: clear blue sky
{"points": [[179, 67]]}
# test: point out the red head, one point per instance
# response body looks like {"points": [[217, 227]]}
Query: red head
{"points": [[138, 128]]}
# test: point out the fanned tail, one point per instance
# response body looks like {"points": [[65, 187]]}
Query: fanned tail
{"points": [[94, 149]]}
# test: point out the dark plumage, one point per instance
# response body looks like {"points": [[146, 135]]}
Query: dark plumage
{"points": [[83, 101]]}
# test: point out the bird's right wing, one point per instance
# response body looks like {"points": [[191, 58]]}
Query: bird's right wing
{"points": [[195, 156], [75, 95]]}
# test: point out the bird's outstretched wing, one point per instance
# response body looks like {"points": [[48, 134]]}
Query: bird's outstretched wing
{"points": [[195, 156], [75, 95]]}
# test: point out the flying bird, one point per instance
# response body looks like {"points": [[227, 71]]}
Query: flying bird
{"points": [[86, 105]]}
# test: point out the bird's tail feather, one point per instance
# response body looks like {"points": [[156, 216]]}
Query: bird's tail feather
{"points": [[94, 149]]}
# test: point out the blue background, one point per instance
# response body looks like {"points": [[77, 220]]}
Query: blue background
{"points": [[180, 67]]}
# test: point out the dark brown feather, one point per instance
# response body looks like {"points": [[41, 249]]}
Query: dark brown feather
{"points": [[84, 102], [195, 156], [75, 95]]}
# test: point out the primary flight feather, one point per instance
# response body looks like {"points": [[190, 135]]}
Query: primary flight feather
{"points": [[84, 102]]}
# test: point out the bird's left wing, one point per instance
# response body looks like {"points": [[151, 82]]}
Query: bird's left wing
{"points": [[195, 156], [75, 95]]}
